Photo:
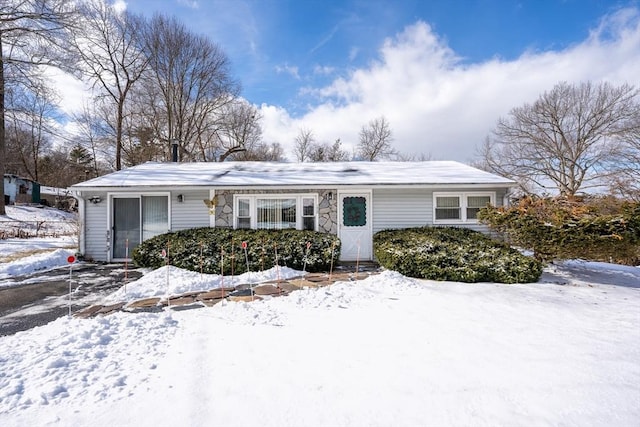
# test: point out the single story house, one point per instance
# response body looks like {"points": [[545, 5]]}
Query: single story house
{"points": [[351, 199], [18, 189]]}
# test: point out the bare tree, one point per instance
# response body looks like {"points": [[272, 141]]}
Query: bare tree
{"points": [[93, 136], [260, 152], [303, 144], [336, 153], [192, 80], [28, 127], [109, 48], [324, 152], [626, 181], [566, 139], [375, 140], [239, 130], [32, 34], [422, 157]]}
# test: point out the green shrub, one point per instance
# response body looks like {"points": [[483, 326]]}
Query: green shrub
{"points": [[208, 247], [593, 228], [453, 254]]}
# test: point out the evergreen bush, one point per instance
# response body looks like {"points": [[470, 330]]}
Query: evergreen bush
{"points": [[209, 248], [453, 254], [590, 228]]}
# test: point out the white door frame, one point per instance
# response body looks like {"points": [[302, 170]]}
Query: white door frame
{"points": [[356, 242], [110, 219]]}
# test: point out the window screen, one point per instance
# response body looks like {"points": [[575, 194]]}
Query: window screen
{"points": [[308, 214], [244, 213], [474, 204], [448, 207]]}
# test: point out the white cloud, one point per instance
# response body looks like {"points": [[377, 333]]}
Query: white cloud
{"points": [[288, 69], [353, 53], [120, 5], [189, 3], [73, 92], [323, 70], [437, 104]]}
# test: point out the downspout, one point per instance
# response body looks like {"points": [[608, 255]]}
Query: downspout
{"points": [[81, 222]]}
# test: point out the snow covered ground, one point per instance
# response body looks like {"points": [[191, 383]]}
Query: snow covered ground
{"points": [[37, 221], [387, 350], [56, 240]]}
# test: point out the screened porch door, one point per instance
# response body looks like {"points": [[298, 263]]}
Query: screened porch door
{"points": [[136, 219], [355, 227]]}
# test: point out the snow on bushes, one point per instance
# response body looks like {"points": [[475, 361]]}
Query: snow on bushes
{"points": [[595, 228], [453, 254], [207, 249]]}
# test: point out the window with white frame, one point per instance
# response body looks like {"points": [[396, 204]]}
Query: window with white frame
{"points": [[277, 211], [243, 213], [459, 207], [309, 213]]}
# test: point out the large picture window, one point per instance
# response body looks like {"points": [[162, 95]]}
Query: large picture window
{"points": [[276, 212], [459, 207]]}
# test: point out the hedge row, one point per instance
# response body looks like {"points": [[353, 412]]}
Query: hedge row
{"points": [[209, 248], [453, 254], [594, 228]]}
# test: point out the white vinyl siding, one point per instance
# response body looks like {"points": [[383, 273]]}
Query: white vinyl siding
{"points": [[95, 229], [192, 212], [401, 208]]}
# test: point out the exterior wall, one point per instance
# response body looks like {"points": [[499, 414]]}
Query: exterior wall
{"points": [[499, 199], [10, 189], [19, 190], [413, 207], [391, 208], [401, 208], [96, 234], [192, 212], [327, 207]]}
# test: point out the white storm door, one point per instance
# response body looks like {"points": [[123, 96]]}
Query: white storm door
{"points": [[355, 226]]}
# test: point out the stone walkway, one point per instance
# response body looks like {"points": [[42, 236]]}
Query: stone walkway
{"points": [[243, 292]]}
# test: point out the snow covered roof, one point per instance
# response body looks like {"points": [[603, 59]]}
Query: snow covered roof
{"points": [[260, 174]]}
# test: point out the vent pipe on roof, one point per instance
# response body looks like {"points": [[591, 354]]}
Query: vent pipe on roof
{"points": [[174, 151]]}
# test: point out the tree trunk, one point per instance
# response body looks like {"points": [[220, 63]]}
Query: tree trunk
{"points": [[3, 156], [119, 134]]}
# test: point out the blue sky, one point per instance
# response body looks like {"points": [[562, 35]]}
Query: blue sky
{"points": [[441, 72], [280, 47]]}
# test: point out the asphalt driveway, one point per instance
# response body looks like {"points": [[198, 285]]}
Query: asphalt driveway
{"points": [[37, 299]]}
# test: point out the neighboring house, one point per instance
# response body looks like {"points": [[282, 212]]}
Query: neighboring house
{"points": [[351, 199], [20, 190], [61, 198]]}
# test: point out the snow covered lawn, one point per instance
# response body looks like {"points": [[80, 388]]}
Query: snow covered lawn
{"points": [[385, 351]]}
